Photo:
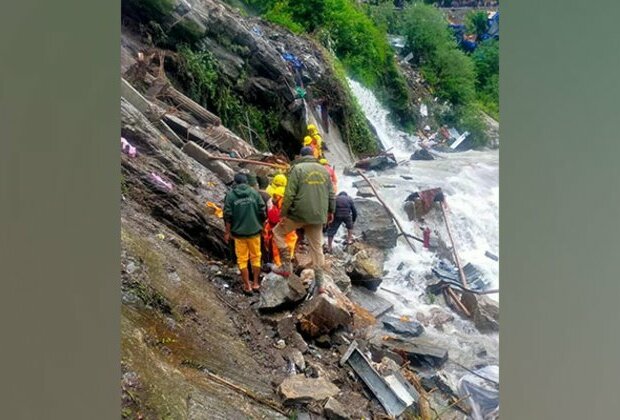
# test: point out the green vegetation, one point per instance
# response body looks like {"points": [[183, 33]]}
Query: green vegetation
{"points": [[362, 47], [476, 23], [202, 81], [468, 81], [486, 61]]}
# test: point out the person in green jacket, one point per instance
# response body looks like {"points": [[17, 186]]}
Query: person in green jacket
{"points": [[244, 214], [309, 203]]}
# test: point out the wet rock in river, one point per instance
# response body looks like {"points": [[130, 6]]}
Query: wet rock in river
{"points": [[374, 225], [422, 154], [403, 326], [366, 266], [418, 351], [484, 310]]}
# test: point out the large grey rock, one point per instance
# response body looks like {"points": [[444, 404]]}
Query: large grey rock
{"points": [[402, 326], [365, 267], [333, 410], [418, 351], [484, 310], [368, 300], [339, 276], [374, 224], [301, 390], [323, 314], [422, 154], [276, 292]]}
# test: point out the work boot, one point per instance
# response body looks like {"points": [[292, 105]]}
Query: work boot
{"points": [[286, 269]]}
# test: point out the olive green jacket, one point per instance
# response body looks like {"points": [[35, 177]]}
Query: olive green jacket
{"points": [[309, 194]]}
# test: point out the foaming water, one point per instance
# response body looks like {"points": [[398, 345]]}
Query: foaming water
{"points": [[470, 181]]}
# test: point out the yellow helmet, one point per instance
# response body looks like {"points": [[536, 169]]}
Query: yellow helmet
{"points": [[279, 180], [312, 129], [323, 161], [307, 141], [278, 192]]}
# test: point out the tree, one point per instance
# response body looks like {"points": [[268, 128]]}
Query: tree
{"points": [[477, 23]]}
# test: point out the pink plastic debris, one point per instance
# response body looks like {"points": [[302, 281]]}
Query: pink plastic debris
{"points": [[128, 148], [160, 181]]}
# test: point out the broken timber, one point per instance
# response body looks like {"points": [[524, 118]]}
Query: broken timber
{"points": [[165, 89]]}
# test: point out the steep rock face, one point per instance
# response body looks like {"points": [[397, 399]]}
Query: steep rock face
{"points": [[182, 208], [374, 224], [249, 53]]}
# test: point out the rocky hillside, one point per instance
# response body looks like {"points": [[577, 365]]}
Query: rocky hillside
{"points": [[193, 346]]}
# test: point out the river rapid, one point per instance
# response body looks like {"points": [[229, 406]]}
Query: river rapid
{"points": [[470, 181]]}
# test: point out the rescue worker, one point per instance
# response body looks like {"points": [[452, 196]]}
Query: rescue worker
{"points": [[310, 142], [309, 202], [278, 181], [332, 173], [314, 140], [274, 207], [345, 213], [244, 214]]}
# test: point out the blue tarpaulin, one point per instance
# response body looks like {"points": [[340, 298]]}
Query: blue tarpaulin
{"points": [[296, 62]]}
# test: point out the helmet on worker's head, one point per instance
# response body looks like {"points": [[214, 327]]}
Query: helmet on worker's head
{"points": [[307, 141], [312, 129], [323, 161], [278, 192], [279, 180]]}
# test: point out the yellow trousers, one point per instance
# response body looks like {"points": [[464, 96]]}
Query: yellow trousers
{"points": [[248, 249]]}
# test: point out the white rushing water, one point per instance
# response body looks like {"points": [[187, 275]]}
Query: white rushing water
{"points": [[470, 181]]}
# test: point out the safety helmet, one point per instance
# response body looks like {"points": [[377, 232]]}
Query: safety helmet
{"points": [[278, 192], [323, 161], [279, 180], [307, 141], [312, 129]]}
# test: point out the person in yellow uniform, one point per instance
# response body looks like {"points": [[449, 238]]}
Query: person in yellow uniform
{"points": [[244, 213], [273, 218], [313, 139]]}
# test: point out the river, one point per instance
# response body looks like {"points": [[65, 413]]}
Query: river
{"points": [[470, 181]]}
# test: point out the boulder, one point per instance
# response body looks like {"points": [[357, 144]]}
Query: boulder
{"points": [[301, 390], [403, 326], [377, 163], [484, 310], [422, 154], [418, 351], [333, 410], [365, 192], [368, 300], [349, 171], [277, 292], [374, 224], [336, 272], [323, 314], [365, 268]]}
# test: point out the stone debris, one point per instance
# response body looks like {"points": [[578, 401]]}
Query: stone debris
{"points": [[301, 390], [403, 326], [333, 410], [277, 292]]}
